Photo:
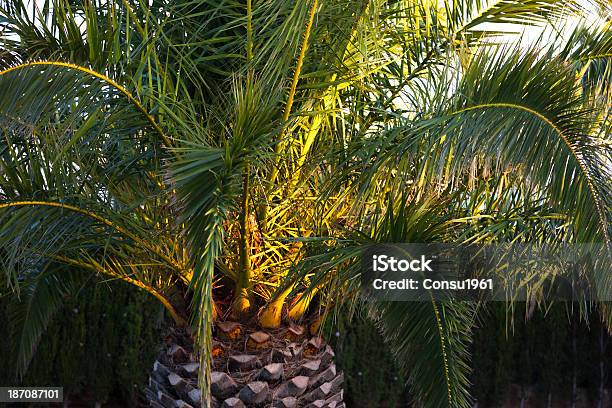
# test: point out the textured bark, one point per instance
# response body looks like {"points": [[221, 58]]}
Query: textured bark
{"points": [[255, 369]]}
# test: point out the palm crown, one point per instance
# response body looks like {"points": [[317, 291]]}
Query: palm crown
{"points": [[179, 146]]}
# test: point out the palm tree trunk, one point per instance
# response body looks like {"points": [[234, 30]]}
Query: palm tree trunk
{"points": [[284, 368]]}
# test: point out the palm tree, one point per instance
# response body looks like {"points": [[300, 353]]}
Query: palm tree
{"points": [[232, 158]]}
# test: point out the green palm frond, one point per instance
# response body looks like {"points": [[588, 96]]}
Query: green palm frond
{"points": [[40, 299], [469, 17], [550, 119], [80, 160], [590, 49], [523, 113], [202, 303], [208, 180], [430, 339], [435, 361], [132, 134]]}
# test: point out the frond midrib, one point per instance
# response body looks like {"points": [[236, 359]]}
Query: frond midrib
{"points": [[96, 217], [131, 98], [561, 134]]}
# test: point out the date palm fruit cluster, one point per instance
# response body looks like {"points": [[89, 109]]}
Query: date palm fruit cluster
{"points": [[283, 368]]}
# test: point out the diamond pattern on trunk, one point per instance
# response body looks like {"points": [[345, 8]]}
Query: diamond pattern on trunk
{"points": [[258, 341], [284, 373]]}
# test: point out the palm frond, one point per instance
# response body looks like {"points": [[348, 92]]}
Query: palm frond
{"points": [[434, 360], [430, 339], [30, 314], [524, 113]]}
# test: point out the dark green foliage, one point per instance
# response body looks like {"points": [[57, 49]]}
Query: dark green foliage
{"points": [[100, 345], [123, 156], [539, 355], [535, 355], [372, 379]]}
